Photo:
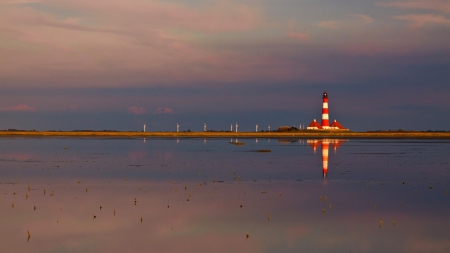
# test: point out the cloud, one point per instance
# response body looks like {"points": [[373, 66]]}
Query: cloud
{"points": [[114, 43], [136, 110], [435, 5], [365, 48], [293, 31], [421, 20], [353, 21], [331, 24], [20, 108], [163, 110], [299, 36], [5, 2], [364, 18]]}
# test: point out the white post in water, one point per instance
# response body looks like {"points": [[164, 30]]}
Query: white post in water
{"points": [[178, 128], [231, 127], [204, 127], [269, 128], [144, 127], [236, 127], [256, 127]]}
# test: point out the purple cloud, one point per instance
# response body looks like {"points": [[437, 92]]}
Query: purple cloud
{"points": [[136, 110], [20, 108], [163, 110]]}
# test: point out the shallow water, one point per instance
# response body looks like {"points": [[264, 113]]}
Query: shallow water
{"points": [[195, 195]]}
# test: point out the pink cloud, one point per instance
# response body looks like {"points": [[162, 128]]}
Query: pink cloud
{"points": [[136, 110], [332, 24], [20, 108], [106, 44], [163, 110], [436, 5], [366, 48], [299, 36], [364, 18], [421, 20], [20, 1]]}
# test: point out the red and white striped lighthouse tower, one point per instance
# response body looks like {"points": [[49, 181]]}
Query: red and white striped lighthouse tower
{"points": [[325, 119]]}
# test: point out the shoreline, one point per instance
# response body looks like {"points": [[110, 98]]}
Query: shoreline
{"points": [[297, 134]]}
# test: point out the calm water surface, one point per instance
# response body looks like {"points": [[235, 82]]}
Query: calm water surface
{"points": [[195, 195]]}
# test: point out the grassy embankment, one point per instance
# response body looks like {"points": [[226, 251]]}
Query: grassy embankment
{"points": [[297, 134]]}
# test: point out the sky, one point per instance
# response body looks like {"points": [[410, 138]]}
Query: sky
{"points": [[116, 65]]}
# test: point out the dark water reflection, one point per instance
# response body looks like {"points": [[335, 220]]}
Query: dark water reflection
{"points": [[168, 195]]}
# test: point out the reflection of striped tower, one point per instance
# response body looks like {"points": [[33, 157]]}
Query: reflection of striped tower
{"points": [[325, 121], [325, 145]]}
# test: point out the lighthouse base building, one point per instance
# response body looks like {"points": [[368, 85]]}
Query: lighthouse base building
{"points": [[334, 126], [325, 119]]}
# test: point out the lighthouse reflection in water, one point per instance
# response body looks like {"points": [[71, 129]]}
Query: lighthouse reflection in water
{"points": [[325, 145]]}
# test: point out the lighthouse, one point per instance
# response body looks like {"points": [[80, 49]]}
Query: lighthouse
{"points": [[325, 121]]}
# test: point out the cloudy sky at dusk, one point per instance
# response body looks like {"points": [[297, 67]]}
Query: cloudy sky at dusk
{"points": [[109, 64]]}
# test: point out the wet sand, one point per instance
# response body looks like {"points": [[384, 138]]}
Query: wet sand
{"points": [[113, 195], [299, 134]]}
